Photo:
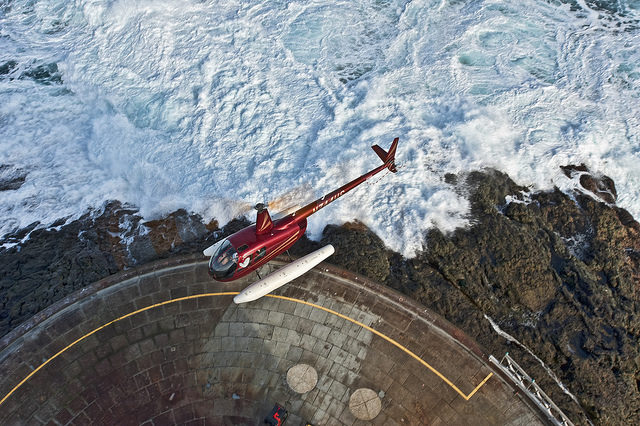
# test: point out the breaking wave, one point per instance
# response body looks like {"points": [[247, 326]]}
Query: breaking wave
{"points": [[170, 104]]}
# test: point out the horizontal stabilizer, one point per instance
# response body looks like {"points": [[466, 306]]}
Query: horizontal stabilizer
{"points": [[381, 152], [388, 158]]}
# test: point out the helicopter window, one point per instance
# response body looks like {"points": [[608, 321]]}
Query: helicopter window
{"points": [[259, 254], [242, 248], [224, 261]]}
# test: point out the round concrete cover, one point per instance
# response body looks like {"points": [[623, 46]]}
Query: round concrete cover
{"points": [[302, 378], [365, 404]]}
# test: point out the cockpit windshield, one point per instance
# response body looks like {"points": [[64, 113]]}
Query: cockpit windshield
{"points": [[224, 261]]}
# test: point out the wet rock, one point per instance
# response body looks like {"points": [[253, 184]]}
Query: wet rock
{"points": [[626, 219], [52, 263], [488, 191], [175, 230], [20, 234], [601, 186], [11, 184], [560, 274], [8, 67], [46, 74], [11, 178], [48, 266], [359, 250]]}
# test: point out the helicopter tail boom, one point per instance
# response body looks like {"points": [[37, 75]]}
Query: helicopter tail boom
{"points": [[389, 163]]}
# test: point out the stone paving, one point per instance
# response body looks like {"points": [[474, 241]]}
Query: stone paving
{"points": [[202, 360]]}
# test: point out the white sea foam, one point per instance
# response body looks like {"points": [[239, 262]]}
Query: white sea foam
{"points": [[197, 104]]}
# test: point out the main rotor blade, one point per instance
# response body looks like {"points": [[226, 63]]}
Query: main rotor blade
{"points": [[279, 206]]}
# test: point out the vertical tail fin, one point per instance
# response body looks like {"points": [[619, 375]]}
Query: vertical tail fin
{"points": [[388, 158], [263, 221]]}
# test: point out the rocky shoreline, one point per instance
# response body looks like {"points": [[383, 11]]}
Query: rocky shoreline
{"points": [[558, 272]]}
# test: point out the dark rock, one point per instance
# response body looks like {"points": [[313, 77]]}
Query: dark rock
{"points": [[52, 263], [601, 186], [11, 178], [175, 230], [8, 67], [451, 179], [46, 74], [488, 190], [626, 219], [359, 249], [163, 235], [571, 169], [48, 266], [561, 275]]}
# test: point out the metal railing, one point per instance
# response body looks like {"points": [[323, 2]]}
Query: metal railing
{"points": [[531, 388]]}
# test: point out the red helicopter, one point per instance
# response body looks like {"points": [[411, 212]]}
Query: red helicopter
{"points": [[248, 249]]}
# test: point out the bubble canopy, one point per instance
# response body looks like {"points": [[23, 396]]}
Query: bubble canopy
{"points": [[224, 261]]}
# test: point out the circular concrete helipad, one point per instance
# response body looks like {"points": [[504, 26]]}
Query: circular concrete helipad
{"points": [[164, 344], [302, 378], [365, 404]]}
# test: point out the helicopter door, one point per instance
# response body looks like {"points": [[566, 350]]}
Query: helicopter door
{"points": [[259, 254]]}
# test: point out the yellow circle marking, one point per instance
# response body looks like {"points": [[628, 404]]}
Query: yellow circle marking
{"points": [[195, 296]]}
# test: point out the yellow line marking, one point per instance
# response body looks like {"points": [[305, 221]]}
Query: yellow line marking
{"points": [[479, 386], [390, 340], [233, 293], [105, 325]]}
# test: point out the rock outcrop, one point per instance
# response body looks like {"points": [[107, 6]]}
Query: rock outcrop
{"points": [[54, 262], [558, 272], [11, 178]]}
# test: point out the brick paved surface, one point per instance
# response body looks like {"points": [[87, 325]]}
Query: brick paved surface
{"points": [[207, 361]]}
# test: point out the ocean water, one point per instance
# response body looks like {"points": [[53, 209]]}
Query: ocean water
{"points": [[210, 105]]}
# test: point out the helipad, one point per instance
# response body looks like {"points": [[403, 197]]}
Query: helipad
{"points": [[165, 344]]}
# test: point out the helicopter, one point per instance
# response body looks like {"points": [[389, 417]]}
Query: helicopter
{"points": [[250, 248]]}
